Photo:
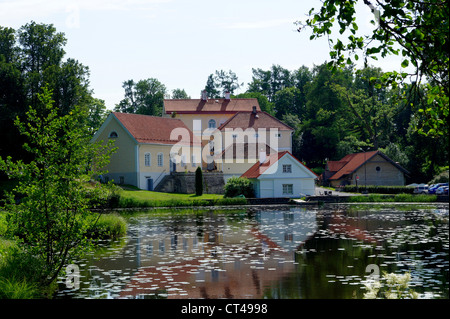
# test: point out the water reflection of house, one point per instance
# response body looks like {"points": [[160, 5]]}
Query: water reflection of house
{"points": [[226, 261]]}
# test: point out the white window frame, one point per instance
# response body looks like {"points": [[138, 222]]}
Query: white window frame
{"points": [[287, 168], [160, 159], [111, 134], [148, 159], [288, 189]]}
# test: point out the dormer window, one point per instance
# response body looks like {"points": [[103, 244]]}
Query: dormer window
{"points": [[211, 124], [113, 134]]}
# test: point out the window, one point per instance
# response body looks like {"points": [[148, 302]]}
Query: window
{"points": [[194, 163], [197, 126], [288, 189], [160, 159], [278, 135], [211, 123], [147, 159], [234, 136], [378, 168], [121, 180], [113, 134], [287, 168]]}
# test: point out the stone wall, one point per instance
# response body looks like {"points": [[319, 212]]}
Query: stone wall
{"points": [[184, 183]]}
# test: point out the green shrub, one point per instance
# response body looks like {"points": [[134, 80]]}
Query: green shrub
{"points": [[198, 182], [20, 274], [109, 226], [236, 186], [10, 288]]}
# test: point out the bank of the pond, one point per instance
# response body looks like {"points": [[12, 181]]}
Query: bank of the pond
{"points": [[378, 198], [18, 269], [135, 198]]}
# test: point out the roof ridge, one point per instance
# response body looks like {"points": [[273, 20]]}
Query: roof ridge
{"points": [[277, 156], [146, 115], [251, 112]]}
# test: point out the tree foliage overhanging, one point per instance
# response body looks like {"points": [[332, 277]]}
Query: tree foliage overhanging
{"points": [[417, 31]]}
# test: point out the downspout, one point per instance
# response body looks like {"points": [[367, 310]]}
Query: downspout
{"points": [[138, 175]]}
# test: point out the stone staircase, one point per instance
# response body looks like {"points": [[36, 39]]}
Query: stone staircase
{"points": [[184, 183]]}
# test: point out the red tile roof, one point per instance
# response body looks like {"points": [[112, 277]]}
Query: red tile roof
{"points": [[334, 166], [152, 129], [186, 106], [352, 162], [246, 120], [257, 169]]}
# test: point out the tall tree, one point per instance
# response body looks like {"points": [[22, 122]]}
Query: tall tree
{"points": [[287, 101], [221, 82], [53, 216], [228, 81], [370, 114], [180, 94], [263, 102], [324, 124], [212, 88], [271, 81], [142, 97]]}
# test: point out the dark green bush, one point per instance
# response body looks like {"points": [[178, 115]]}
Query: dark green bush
{"points": [[19, 275], [198, 182], [236, 186]]}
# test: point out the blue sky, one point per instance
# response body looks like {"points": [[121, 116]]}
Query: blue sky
{"points": [[178, 42]]}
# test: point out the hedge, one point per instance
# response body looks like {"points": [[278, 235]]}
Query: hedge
{"points": [[378, 189]]}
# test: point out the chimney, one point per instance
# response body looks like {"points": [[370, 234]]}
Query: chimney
{"points": [[204, 95], [254, 109], [262, 157], [227, 95]]}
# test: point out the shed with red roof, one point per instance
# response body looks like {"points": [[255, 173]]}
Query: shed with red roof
{"points": [[366, 168]]}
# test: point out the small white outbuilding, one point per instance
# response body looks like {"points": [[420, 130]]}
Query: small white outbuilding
{"points": [[281, 175]]}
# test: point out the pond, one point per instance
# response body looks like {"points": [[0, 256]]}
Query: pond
{"points": [[286, 252]]}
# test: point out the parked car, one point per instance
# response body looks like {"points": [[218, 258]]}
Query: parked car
{"points": [[421, 189], [432, 189], [443, 190]]}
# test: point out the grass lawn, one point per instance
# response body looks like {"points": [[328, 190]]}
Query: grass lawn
{"points": [[148, 195], [130, 196]]}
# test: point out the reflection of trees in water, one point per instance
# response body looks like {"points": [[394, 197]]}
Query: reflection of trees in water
{"points": [[277, 254]]}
